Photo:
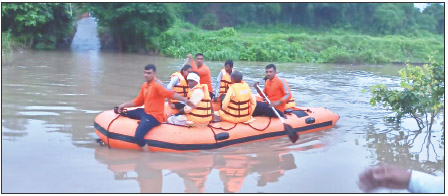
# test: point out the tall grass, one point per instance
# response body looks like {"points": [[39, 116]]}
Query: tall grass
{"points": [[288, 44], [7, 42]]}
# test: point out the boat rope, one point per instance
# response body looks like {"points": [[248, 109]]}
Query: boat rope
{"points": [[260, 129], [213, 131], [222, 128], [108, 132]]}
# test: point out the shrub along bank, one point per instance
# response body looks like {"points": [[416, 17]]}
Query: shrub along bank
{"points": [[291, 45]]}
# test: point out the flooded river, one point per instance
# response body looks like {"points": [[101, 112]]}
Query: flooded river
{"points": [[49, 101]]}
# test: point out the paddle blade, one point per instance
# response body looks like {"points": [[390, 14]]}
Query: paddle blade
{"points": [[293, 136]]}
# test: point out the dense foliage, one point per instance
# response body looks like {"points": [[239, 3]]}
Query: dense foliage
{"points": [[296, 46], [370, 18], [37, 25], [421, 94], [134, 25], [285, 32]]}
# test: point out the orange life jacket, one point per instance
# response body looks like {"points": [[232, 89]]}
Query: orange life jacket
{"points": [[290, 104], [203, 111], [225, 82], [239, 109], [181, 88]]}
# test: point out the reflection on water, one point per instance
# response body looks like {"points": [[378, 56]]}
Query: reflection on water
{"points": [[151, 170], [90, 64], [86, 36], [413, 149], [49, 101]]}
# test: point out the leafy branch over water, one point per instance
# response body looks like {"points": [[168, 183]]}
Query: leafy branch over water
{"points": [[421, 94]]}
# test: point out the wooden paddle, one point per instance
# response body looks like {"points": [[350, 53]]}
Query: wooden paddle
{"points": [[293, 135]]}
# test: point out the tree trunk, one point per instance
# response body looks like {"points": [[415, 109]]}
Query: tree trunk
{"points": [[120, 44]]}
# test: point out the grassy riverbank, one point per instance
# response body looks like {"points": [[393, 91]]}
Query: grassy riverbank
{"points": [[288, 44]]}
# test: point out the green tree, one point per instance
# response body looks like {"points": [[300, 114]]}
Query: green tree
{"points": [[38, 25], [209, 22], [388, 19], [427, 22], [437, 11], [135, 26], [193, 12], [421, 94], [370, 18]]}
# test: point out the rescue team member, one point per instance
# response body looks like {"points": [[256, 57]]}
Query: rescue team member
{"points": [[239, 103], [276, 90], [202, 69], [223, 80], [179, 85], [152, 95], [201, 111], [290, 104]]}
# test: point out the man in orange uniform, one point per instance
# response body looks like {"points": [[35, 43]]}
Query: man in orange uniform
{"points": [[202, 69], [152, 95], [277, 91]]}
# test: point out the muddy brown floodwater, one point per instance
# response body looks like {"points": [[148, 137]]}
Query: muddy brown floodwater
{"points": [[49, 101]]}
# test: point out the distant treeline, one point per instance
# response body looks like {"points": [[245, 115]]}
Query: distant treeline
{"points": [[370, 18], [151, 27]]}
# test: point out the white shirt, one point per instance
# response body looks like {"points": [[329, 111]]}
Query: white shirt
{"points": [[218, 86], [174, 81], [196, 97], [426, 183]]}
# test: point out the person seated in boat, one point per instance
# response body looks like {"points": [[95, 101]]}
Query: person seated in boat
{"points": [[290, 104], [179, 85], [202, 70], [238, 103], [200, 113], [152, 96], [276, 90], [223, 81]]}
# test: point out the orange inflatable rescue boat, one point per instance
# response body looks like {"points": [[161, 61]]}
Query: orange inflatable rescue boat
{"points": [[118, 132]]}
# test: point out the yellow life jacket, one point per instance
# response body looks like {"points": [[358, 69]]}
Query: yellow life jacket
{"points": [[203, 111], [239, 109], [225, 82], [290, 104], [181, 88]]}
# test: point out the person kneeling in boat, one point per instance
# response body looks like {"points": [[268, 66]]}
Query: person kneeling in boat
{"points": [[223, 81], [201, 112], [239, 103], [152, 95], [276, 90], [178, 84]]}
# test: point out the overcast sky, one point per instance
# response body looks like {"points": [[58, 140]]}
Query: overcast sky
{"points": [[420, 5]]}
